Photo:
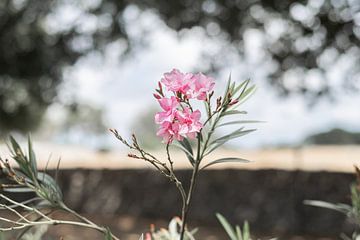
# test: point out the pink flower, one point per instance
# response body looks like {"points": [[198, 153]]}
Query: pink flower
{"points": [[189, 122], [169, 106], [201, 85], [177, 81], [175, 124], [169, 131]]}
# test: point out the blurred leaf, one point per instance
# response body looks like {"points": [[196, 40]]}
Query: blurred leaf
{"points": [[32, 158], [187, 149], [222, 140], [247, 93], [246, 82], [108, 235], [226, 225], [18, 189], [232, 112], [343, 208], [50, 184], [238, 232], [239, 122], [226, 160], [246, 231]]}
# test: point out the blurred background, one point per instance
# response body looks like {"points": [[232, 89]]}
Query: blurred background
{"points": [[69, 70]]}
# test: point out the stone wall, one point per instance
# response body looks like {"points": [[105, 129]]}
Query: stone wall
{"points": [[271, 200]]}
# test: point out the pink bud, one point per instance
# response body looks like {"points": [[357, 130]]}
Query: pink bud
{"points": [[157, 96]]}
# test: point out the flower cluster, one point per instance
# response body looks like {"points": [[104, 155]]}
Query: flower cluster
{"points": [[178, 119]]}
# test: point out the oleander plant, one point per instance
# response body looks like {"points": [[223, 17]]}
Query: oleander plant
{"points": [[190, 119]]}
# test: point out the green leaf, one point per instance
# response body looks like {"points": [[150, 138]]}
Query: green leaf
{"points": [[227, 89], [221, 141], [239, 122], [226, 225], [187, 149], [235, 134], [20, 158], [246, 231], [343, 208], [108, 235], [32, 158], [17, 189], [47, 181], [247, 93], [187, 145], [246, 82], [16, 148], [232, 112], [238, 233], [226, 160]]}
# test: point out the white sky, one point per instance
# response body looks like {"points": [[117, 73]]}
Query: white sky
{"points": [[125, 90]]}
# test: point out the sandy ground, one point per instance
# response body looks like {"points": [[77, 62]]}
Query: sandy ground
{"points": [[311, 158]]}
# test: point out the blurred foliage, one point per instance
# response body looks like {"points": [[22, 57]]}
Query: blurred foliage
{"points": [[334, 136], [234, 233], [172, 233], [352, 211], [304, 38]]}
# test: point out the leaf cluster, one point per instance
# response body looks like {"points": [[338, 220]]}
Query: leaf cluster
{"points": [[26, 177], [234, 233], [218, 117]]}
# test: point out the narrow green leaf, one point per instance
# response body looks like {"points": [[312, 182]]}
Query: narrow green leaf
{"points": [[226, 225], [226, 160], [16, 148], [239, 122], [20, 158], [108, 235], [221, 141], [17, 189], [235, 134], [343, 208], [232, 112], [247, 93], [246, 231], [32, 158], [32, 161], [227, 89], [188, 152], [48, 182], [187, 145], [246, 82], [238, 233], [232, 88]]}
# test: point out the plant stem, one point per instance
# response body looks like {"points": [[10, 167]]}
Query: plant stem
{"points": [[88, 223], [186, 204]]}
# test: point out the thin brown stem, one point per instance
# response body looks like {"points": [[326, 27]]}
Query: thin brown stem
{"points": [[186, 206]]}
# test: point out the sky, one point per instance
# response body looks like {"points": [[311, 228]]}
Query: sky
{"points": [[124, 89]]}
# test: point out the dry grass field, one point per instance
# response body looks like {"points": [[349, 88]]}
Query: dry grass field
{"points": [[309, 158]]}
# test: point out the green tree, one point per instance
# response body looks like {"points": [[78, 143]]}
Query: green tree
{"points": [[35, 47]]}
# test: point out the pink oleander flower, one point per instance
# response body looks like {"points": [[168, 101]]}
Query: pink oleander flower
{"points": [[175, 122], [189, 122], [169, 131], [201, 86], [184, 124], [169, 105], [177, 81]]}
